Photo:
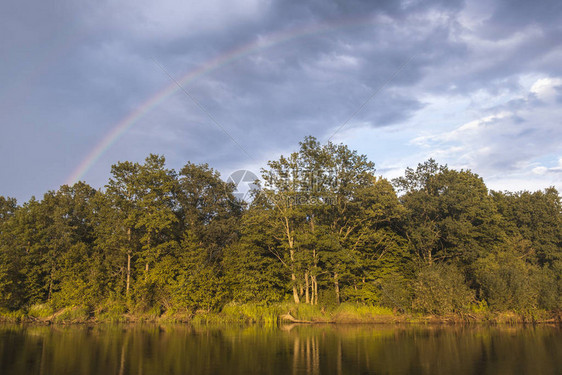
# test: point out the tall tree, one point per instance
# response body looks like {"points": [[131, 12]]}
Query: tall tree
{"points": [[451, 216], [315, 212], [10, 275], [210, 217], [141, 203], [537, 217]]}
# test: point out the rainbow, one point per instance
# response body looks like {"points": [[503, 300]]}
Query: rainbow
{"points": [[261, 43]]}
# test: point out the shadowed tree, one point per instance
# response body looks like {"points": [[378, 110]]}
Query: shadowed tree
{"points": [[451, 216], [141, 218], [210, 217]]}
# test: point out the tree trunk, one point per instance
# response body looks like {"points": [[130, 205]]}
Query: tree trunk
{"points": [[292, 255], [314, 290], [128, 273], [50, 285], [148, 247], [295, 291], [307, 295], [128, 262], [313, 286], [337, 288]]}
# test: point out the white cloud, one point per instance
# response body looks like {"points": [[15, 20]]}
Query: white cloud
{"points": [[337, 61], [545, 88], [503, 138], [540, 170], [507, 144], [470, 129]]}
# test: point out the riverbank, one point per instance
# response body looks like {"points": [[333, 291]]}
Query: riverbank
{"points": [[345, 313]]}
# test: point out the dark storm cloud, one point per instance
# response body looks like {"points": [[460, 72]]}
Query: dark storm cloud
{"points": [[510, 16], [71, 72], [314, 83]]}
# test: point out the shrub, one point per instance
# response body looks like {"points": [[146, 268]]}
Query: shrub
{"points": [[40, 311], [11, 316], [72, 314], [508, 282], [395, 292], [361, 311], [441, 289], [112, 311]]}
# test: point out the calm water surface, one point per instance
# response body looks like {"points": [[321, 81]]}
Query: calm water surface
{"points": [[329, 349]]}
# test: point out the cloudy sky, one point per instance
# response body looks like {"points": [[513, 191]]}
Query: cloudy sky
{"points": [[85, 84]]}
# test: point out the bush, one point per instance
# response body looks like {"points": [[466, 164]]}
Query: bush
{"points": [[395, 292], [441, 289], [11, 316], [251, 313], [361, 311], [508, 282], [72, 315], [112, 311], [40, 311], [550, 289]]}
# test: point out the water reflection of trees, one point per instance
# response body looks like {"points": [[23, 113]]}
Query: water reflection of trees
{"points": [[329, 349]]}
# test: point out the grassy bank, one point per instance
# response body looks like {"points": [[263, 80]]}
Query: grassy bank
{"points": [[274, 314]]}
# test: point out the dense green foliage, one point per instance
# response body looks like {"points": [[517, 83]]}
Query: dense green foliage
{"points": [[322, 229]]}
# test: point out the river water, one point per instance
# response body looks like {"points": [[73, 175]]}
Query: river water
{"points": [[318, 349]]}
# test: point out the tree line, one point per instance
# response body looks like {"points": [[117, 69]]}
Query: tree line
{"points": [[321, 229]]}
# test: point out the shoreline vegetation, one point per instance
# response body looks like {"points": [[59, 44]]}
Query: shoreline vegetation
{"points": [[321, 239], [277, 314]]}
